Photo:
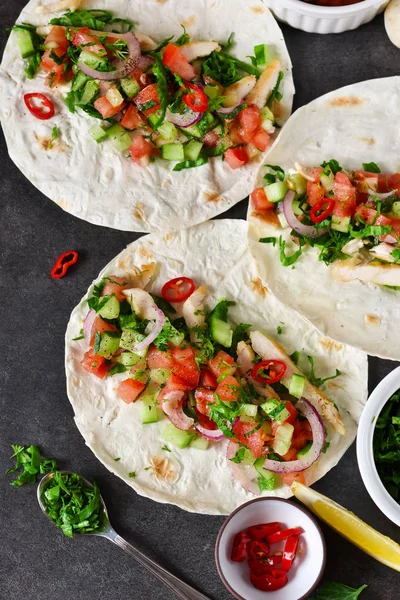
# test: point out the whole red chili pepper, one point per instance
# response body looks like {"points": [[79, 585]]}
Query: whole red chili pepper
{"points": [[63, 263]]}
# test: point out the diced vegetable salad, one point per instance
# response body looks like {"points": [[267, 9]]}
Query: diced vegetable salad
{"points": [[181, 100], [190, 365], [343, 213]]}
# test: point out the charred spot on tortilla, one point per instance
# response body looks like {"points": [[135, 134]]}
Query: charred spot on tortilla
{"points": [[189, 22], [330, 344], [257, 9], [138, 212], [213, 196], [269, 216], [258, 287], [162, 469], [367, 140], [168, 236], [372, 320], [145, 252], [346, 101]]}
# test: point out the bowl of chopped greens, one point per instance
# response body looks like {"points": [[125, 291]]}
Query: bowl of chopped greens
{"points": [[378, 446]]}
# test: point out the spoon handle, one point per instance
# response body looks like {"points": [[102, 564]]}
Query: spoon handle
{"points": [[181, 589]]}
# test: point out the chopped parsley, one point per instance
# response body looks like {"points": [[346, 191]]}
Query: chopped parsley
{"points": [[371, 167], [387, 446], [132, 474], [29, 464], [318, 381], [165, 447]]}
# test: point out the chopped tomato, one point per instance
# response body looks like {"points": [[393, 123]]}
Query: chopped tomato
{"points": [[369, 216], [234, 133], [315, 193], [185, 353], [211, 139], [289, 478], [83, 37], [261, 140], [129, 390], [229, 389], [293, 413], [301, 435], [254, 441], [140, 151], [56, 72], [176, 61], [148, 94], [260, 201], [57, 35], [157, 359], [222, 364], [99, 326], [249, 122], [115, 285], [344, 195], [236, 157], [393, 182], [291, 454], [177, 383], [106, 109], [208, 379], [365, 181], [185, 367], [132, 119], [203, 398], [95, 364]]}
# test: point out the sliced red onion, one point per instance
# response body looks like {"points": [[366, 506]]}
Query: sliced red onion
{"points": [[210, 434], [389, 239], [122, 67], [88, 325], [145, 62], [235, 422], [246, 475], [186, 119], [171, 402], [305, 462], [378, 196], [293, 221], [155, 330], [279, 208]]}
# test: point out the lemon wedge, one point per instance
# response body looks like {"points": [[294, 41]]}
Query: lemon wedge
{"points": [[350, 526]]}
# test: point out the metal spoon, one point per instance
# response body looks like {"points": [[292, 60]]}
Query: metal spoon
{"points": [[181, 589]]}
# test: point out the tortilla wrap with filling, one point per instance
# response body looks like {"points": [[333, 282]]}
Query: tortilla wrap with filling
{"points": [[215, 254], [94, 181], [353, 125]]}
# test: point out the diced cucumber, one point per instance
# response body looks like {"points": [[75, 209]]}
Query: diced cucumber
{"points": [[212, 91], [148, 407], [173, 152], [268, 126], [98, 133], [199, 442], [395, 210], [205, 124], [25, 43], [296, 208], [250, 410], [160, 375], [174, 336], [276, 191], [154, 118], [177, 437], [168, 131], [79, 81], [283, 439], [282, 220], [129, 339], [304, 450], [221, 332], [109, 343], [270, 405], [339, 223], [192, 149], [128, 359], [130, 87], [280, 414], [94, 61], [297, 183], [327, 180], [266, 114], [90, 91], [263, 55], [296, 386], [119, 138], [268, 476], [111, 308]]}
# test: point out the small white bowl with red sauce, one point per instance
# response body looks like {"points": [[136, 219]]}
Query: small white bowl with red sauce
{"points": [[307, 567], [315, 18]]}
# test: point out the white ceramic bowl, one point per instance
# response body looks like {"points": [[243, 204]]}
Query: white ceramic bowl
{"points": [[309, 563], [325, 19], [365, 456]]}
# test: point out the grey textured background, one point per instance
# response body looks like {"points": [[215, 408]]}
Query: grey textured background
{"points": [[36, 562]]}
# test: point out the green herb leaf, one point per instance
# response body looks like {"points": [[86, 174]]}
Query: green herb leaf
{"points": [[268, 240], [318, 381], [117, 459], [117, 369], [370, 231], [295, 357], [79, 337], [239, 335], [279, 172], [184, 38], [132, 474], [163, 305], [279, 329], [220, 311], [386, 445], [239, 456], [94, 19], [333, 165], [338, 591], [266, 484], [371, 167], [276, 94], [165, 447], [161, 74], [190, 164], [288, 260], [29, 462]]}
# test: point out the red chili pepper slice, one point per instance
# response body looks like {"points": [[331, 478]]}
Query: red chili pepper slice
{"points": [[268, 371], [196, 99], [318, 213], [240, 547], [274, 579], [63, 263], [275, 560], [258, 550], [260, 567], [44, 110], [289, 552], [178, 289], [261, 531], [283, 535]]}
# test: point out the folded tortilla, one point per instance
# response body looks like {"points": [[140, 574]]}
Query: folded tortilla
{"points": [[94, 181], [215, 254], [354, 125]]}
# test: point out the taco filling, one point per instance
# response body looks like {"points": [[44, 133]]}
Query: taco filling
{"points": [[210, 379], [176, 99], [351, 217]]}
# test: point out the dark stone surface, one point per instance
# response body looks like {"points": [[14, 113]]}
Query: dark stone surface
{"points": [[37, 563]]}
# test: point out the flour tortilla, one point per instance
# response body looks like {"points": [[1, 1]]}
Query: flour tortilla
{"points": [[355, 124], [216, 254], [94, 181]]}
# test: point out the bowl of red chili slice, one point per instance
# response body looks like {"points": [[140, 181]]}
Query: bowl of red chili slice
{"points": [[270, 548]]}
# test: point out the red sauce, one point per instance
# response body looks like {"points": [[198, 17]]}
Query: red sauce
{"points": [[333, 2]]}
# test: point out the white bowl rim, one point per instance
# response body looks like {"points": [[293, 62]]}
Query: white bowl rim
{"points": [[365, 455], [330, 11], [267, 499]]}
